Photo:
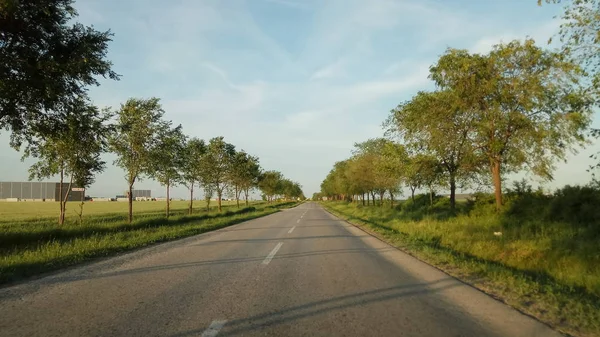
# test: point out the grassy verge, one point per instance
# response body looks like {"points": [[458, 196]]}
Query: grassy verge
{"points": [[534, 274], [34, 246]]}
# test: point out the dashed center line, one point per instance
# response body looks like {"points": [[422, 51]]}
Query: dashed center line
{"points": [[291, 230], [213, 329], [272, 253]]}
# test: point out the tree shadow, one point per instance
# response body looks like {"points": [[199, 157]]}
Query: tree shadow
{"points": [[61, 279], [261, 240], [315, 308]]}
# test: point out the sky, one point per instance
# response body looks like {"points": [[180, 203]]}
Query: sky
{"points": [[294, 82]]}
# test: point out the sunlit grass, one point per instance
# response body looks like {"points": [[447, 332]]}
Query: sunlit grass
{"points": [[553, 274], [33, 209], [32, 245]]}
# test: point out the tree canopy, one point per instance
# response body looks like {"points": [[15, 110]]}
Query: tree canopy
{"points": [[48, 61]]}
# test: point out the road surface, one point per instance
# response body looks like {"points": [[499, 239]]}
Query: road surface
{"points": [[299, 272]]}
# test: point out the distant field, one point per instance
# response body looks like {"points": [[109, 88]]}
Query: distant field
{"points": [[28, 210]]}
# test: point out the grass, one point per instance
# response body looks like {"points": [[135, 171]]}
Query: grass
{"points": [[45, 210], [32, 243], [550, 271]]}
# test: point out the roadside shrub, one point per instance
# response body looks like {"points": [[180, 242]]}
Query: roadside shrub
{"points": [[481, 204], [577, 205]]}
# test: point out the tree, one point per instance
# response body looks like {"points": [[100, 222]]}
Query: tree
{"points": [[393, 164], [217, 166], [581, 43], [439, 125], [529, 108], [382, 156], [290, 189], [73, 150], [191, 170], [208, 194], [270, 184], [139, 122], [166, 158], [252, 174], [47, 63], [579, 35], [244, 174]]}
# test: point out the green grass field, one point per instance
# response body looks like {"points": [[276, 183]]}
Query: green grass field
{"points": [[31, 241], [28, 210], [551, 273]]}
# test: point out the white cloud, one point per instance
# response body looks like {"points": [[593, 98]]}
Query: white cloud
{"points": [[540, 34], [333, 70]]}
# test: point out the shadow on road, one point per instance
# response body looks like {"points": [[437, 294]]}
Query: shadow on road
{"points": [[6, 293], [281, 239], [260, 321]]}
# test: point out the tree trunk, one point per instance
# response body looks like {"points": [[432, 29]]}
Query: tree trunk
{"points": [[130, 202], [373, 198], [246, 193], [61, 217], [452, 191], [363, 199], [219, 194], [191, 208], [412, 193], [168, 198], [65, 198], [381, 198], [392, 198], [237, 196], [496, 167], [431, 196], [81, 208]]}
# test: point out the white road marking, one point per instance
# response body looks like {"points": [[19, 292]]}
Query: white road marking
{"points": [[213, 328], [291, 230], [272, 253], [298, 221]]}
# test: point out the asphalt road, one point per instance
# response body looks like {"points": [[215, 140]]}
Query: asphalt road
{"points": [[300, 272]]}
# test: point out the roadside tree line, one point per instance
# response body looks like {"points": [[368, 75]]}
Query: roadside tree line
{"points": [[518, 108], [49, 62], [147, 145]]}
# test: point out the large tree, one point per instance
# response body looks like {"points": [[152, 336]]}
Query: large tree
{"points": [[580, 37], [245, 172], [48, 61], [139, 122], [438, 124], [217, 166], [167, 159], [72, 151], [529, 108], [191, 169]]}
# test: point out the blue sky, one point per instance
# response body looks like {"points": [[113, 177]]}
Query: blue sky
{"points": [[295, 82]]}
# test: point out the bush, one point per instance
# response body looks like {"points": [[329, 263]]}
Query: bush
{"points": [[481, 204], [577, 205]]}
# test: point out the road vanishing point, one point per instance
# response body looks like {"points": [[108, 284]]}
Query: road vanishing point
{"points": [[299, 272]]}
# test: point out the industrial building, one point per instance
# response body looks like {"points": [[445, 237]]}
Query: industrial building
{"points": [[137, 195], [38, 191], [141, 194]]}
